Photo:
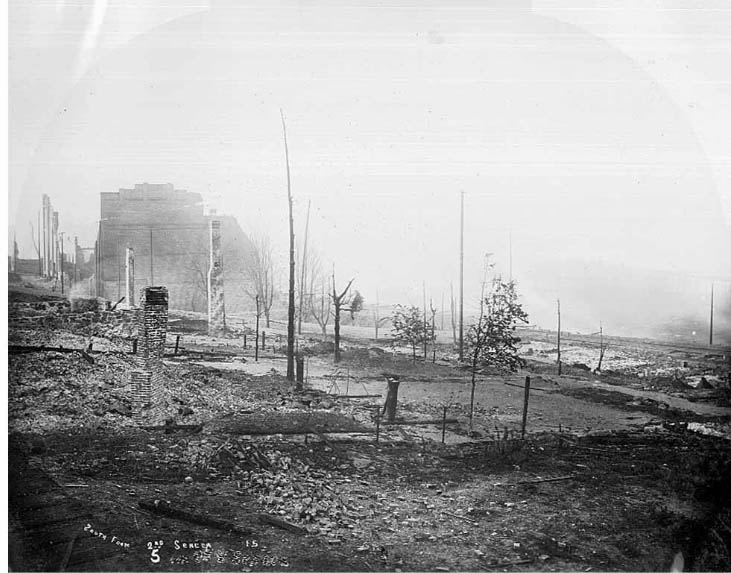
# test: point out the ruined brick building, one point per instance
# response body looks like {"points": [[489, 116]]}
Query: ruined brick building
{"points": [[169, 232]]}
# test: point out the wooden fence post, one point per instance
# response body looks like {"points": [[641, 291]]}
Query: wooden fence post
{"points": [[525, 406]]}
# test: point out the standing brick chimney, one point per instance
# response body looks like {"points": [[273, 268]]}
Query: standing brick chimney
{"points": [[152, 321]]}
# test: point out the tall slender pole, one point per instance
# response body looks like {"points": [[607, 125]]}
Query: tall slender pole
{"points": [[710, 331], [304, 266], [526, 396], [42, 242], [461, 279], [40, 260], [290, 321], [61, 262], [558, 335]]}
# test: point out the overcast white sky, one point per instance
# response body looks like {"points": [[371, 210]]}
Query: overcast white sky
{"points": [[595, 133]]}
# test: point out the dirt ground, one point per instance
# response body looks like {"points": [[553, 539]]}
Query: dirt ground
{"points": [[615, 471]]}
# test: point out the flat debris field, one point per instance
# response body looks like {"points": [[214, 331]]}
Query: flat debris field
{"points": [[233, 469]]}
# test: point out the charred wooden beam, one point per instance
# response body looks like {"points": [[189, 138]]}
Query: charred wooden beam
{"points": [[167, 509]]}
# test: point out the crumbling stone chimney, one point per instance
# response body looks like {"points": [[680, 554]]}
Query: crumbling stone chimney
{"points": [[130, 286], [216, 308], [152, 321]]}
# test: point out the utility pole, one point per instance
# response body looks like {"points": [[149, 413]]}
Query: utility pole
{"points": [[304, 266], [290, 320], [558, 335], [61, 241], [461, 279], [40, 260], [710, 331], [41, 247]]}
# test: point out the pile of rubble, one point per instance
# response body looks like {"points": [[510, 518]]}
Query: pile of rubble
{"points": [[293, 490]]}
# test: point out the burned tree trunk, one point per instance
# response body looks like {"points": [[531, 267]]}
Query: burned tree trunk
{"points": [[339, 302], [389, 407], [291, 307]]}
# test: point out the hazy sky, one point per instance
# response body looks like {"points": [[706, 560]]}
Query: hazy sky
{"points": [[593, 133]]}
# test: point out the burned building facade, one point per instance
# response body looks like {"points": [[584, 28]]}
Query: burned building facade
{"points": [[168, 232]]}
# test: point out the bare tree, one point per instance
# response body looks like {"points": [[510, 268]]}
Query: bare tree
{"points": [[198, 267], [320, 306], [261, 274], [345, 302]]}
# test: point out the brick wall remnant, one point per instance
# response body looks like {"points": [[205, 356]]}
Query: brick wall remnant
{"points": [[216, 308], [130, 283], [141, 389], [152, 320]]}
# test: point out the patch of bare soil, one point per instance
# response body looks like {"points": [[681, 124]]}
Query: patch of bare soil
{"points": [[234, 471], [623, 502]]}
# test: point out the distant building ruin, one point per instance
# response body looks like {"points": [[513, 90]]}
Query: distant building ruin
{"points": [[49, 241], [216, 306], [168, 232]]}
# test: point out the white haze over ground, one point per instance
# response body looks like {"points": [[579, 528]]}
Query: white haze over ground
{"points": [[593, 136]]}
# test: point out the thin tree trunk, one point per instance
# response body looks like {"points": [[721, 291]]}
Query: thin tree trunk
{"points": [[337, 331], [338, 302], [291, 309], [601, 349], [304, 267]]}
